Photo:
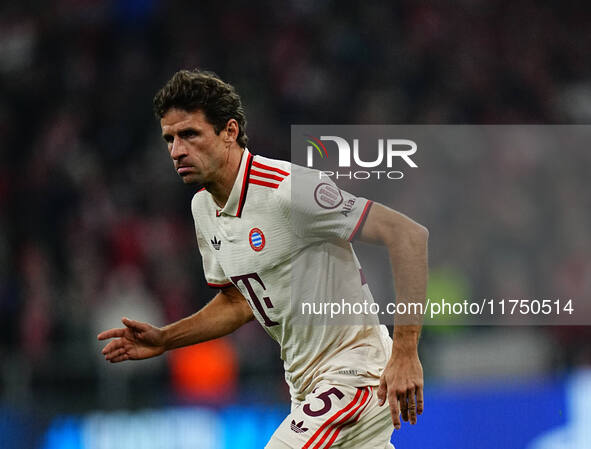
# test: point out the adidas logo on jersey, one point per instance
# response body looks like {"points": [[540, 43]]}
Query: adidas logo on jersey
{"points": [[216, 243], [298, 427]]}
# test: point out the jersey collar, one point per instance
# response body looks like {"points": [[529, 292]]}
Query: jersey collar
{"points": [[237, 197]]}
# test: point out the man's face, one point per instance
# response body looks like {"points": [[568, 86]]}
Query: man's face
{"points": [[197, 152]]}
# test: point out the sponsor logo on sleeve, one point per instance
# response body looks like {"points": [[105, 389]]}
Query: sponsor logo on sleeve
{"points": [[348, 206]]}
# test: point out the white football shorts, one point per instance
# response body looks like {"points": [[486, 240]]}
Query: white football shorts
{"points": [[336, 416]]}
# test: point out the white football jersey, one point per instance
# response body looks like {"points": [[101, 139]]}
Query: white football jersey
{"points": [[283, 239]]}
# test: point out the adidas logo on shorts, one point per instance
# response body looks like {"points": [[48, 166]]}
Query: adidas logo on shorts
{"points": [[297, 427]]}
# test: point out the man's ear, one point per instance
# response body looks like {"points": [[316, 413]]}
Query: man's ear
{"points": [[232, 130]]}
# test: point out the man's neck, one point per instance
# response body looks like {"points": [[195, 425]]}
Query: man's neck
{"points": [[220, 190]]}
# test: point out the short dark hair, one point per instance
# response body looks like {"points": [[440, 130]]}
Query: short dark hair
{"points": [[191, 90]]}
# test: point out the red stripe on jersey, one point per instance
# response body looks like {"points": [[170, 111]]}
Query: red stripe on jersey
{"points": [[338, 426], [264, 183], [266, 175], [361, 219], [244, 185], [362, 276], [268, 167], [330, 420], [201, 189], [219, 285]]}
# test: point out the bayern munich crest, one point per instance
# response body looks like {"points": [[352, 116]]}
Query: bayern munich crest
{"points": [[256, 239]]}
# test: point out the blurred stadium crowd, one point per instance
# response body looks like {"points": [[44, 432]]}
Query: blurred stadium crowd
{"points": [[95, 224]]}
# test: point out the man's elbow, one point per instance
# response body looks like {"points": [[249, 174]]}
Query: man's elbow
{"points": [[422, 232], [393, 229], [417, 234], [410, 235]]}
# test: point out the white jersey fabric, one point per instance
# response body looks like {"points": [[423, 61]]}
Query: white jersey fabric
{"points": [[283, 238]]}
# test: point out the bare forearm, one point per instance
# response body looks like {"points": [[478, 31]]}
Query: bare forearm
{"points": [[401, 383], [408, 257], [221, 316], [406, 242]]}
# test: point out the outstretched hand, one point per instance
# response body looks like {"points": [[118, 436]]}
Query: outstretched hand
{"points": [[401, 385], [135, 341]]}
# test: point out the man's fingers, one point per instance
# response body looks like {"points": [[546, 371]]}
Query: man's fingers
{"points": [[115, 353], [135, 325], [111, 346], [412, 405], [403, 406], [394, 410], [119, 358], [382, 391], [420, 403], [111, 333]]}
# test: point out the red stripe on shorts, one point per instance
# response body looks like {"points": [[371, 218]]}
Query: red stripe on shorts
{"points": [[336, 426], [330, 420], [349, 415]]}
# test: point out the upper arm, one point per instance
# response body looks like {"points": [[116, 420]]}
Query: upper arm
{"points": [[232, 296], [317, 209], [387, 226]]}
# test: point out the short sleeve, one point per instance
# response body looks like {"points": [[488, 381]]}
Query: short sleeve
{"points": [[214, 274], [318, 209]]}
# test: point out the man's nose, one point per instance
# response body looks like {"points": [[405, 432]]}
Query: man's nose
{"points": [[178, 149]]}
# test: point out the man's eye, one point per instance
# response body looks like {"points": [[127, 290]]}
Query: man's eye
{"points": [[188, 133]]}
